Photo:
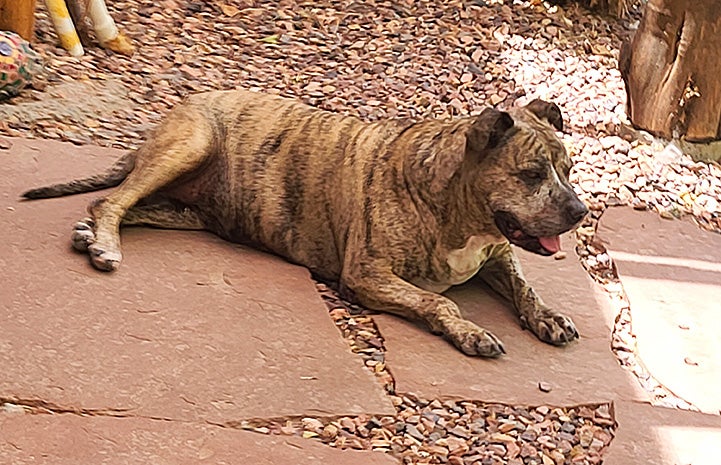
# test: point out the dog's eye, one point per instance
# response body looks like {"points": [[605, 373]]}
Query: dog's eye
{"points": [[532, 176]]}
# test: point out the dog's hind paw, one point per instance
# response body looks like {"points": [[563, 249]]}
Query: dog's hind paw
{"points": [[83, 234], [104, 260], [474, 340], [553, 328]]}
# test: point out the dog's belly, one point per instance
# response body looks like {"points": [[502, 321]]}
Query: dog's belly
{"points": [[462, 264]]}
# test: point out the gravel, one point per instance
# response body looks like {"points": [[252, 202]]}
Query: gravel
{"points": [[406, 59]]}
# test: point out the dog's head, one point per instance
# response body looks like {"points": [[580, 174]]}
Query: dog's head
{"points": [[515, 164]]}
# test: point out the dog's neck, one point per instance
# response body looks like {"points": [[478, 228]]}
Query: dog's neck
{"points": [[468, 214]]}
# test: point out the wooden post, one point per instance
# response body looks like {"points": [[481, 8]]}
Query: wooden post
{"points": [[18, 16], [671, 69]]}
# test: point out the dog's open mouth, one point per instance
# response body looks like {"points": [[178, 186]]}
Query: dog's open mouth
{"points": [[511, 228]]}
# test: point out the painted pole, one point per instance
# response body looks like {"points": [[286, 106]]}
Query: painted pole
{"points": [[64, 27], [105, 28]]}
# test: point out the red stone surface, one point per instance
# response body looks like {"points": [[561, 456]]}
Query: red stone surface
{"points": [[649, 435], [671, 272], [189, 328], [585, 371], [74, 440]]}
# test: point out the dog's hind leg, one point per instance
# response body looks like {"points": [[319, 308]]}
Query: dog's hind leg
{"points": [[163, 215], [181, 144]]}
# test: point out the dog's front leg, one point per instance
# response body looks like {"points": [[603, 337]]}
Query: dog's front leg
{"points": [[380, 289], [503, 273]]}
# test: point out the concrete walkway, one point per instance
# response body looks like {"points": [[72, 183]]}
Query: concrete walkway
{"points": [[155, 363]]}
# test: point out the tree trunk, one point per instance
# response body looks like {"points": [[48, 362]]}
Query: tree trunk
{"points": [[18, 16], [672, 70]]}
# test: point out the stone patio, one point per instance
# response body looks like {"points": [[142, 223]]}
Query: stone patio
{"points": [[193, 334], [671, 272]]}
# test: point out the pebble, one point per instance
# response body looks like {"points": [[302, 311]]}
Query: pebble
{"points": [[413, 432], [544, 386], [312, 424]]}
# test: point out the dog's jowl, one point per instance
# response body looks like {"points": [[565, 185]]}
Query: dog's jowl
{"points": [[395, 211]]}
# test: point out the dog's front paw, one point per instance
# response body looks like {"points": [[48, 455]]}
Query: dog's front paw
{"points": [[474, 340], [552, 327]]}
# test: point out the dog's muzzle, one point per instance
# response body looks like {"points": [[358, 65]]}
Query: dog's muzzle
{"points": [[511, 228]]}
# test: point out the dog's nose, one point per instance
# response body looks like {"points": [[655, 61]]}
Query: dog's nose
{"points": [[577, 211]]}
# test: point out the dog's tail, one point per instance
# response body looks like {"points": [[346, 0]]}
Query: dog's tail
{"points": [[110, 178]]}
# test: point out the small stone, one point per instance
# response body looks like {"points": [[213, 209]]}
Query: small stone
{"points": [[330, 431], [499, 437], [5, 144], [13, 408], [460, 432], [528, 450], [347, 424], [638, 204], [506, 427], [413, 432], [544, 386], [457, 446], [512, 450], [438, 451], [596, 444], [560, 255], [546, 442], [666, 215], [312, 424], [565, 446], [585, 436], [567, 427]]}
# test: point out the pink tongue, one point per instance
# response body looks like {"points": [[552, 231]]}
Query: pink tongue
{"points": [[552, 244]]}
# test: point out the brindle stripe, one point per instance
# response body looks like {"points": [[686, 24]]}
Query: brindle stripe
{"points": [[351, 146], [368, 215], [342, 140], [293, 188]]}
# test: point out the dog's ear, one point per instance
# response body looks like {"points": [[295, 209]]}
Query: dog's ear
{"points": [[488, 130], [548, 111], [448, 155]]}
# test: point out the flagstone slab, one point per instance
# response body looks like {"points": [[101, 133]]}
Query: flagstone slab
{"points": [[648, 435], [73, 440], [671, 272], [190, 327], [583, 372]]}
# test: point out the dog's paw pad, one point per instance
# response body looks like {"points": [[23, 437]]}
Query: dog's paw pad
{"points": [[104, 260], [555, 329], [475, 341], [83, 234]]}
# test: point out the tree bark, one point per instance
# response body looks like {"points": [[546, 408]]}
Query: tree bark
{"points": [[18, 16], [672, 70]]}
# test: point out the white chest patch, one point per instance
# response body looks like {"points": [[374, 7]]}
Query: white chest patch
{"points": [[465, 262]]}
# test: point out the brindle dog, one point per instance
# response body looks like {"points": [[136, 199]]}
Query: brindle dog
{"points": [[396, 211]]}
